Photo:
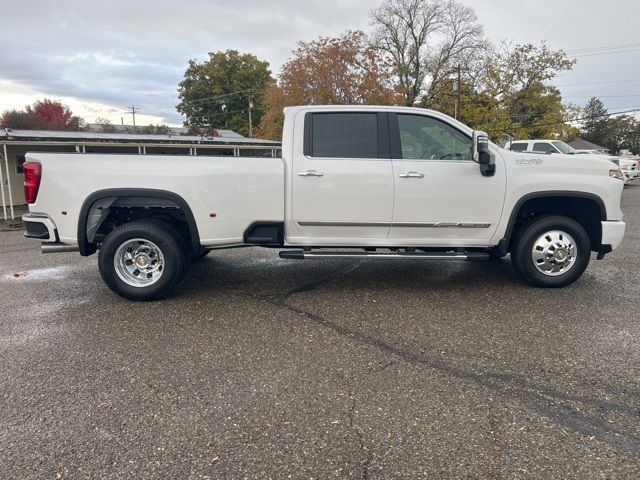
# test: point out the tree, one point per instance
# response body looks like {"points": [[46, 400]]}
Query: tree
{"points": [[105, 125], [330, 71], [426, 40], [510, 94], [159, 129], [203, 131], [616, 133], [596, 117], [18, 120], [216, 93], [42, 115], [619, 133]]}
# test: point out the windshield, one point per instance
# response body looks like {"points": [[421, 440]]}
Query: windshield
{"points": [[564, 148]]}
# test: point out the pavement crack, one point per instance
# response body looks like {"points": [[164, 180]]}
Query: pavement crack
{"points": [[367, 456], [546, 401], [318, 282]]}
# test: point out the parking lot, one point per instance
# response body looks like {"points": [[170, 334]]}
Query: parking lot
{"points": [[263, 368]]}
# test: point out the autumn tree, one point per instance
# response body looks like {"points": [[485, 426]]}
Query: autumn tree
{"points": [[426, 40], [42, 115], [216, 92], [509, 93], [345, 70]]}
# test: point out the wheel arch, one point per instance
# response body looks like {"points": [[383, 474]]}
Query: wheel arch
{"points": [[112, 195], [569, 203]]}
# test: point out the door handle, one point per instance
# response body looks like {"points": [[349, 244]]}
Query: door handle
{"points": [[411, 175], [310, 173]]}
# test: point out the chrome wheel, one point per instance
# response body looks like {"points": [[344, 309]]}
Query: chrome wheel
{"points": [[554, 253], [139, 262]]}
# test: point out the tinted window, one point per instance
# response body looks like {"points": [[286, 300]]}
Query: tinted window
{"points": [[344, 135], [519, 147], [425, 138], [544, 148]]}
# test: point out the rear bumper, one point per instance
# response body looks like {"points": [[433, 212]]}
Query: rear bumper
{"points": [[40, 227], [612, 235]]}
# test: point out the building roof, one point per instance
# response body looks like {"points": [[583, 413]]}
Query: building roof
{"points": [[98, 128], [580, 144], [50, 135]]}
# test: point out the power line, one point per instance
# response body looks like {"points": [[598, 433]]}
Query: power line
{"points": [[608, 47], [526, 116], [504, 130], [601, 96], [221, 96], [598, 83], [605, 53]]}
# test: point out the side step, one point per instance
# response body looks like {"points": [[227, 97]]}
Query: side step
{"points": [[305, 254]]}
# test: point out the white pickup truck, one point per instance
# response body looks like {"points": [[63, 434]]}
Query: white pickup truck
{"points": [[374, 182]]}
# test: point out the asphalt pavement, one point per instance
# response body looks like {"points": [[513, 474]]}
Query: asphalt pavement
{"points": [[263, 368]]}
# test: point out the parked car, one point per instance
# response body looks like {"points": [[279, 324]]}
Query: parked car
{"points": [[629, 168], [353, 182], [549, 147]]}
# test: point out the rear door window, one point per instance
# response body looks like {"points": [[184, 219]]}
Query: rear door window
{"points": [[344, 135], [519, 147]]}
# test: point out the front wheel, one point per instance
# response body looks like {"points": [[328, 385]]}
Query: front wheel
{"points": [[143, 260], [551, 251]]}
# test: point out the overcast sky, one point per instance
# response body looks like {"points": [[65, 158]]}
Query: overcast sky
{"points": [[99, 57]]}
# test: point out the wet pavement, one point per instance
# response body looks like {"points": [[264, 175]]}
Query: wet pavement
{"points": [[263, 368]]}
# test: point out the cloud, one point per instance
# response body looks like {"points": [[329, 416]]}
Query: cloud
{"points": [[120, 53]]}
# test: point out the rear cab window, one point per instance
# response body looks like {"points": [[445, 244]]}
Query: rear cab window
{"points": [[519, 147], [356, 135]]}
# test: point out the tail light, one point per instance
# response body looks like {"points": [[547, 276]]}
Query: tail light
{"points": [[32, 176]]}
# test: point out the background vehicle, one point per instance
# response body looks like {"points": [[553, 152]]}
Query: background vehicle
{"points": [[554, 147], [374, 182], [542, 146], [629, 168]]}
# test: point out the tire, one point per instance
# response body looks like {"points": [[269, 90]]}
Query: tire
{"points": [[143, 260], [554, 260]]}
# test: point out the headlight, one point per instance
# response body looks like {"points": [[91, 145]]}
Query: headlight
{"points": [[616, 174]]}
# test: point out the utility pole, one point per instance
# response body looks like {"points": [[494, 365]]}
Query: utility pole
{"points": [[457, 91], [133, 112], [250, 119]]}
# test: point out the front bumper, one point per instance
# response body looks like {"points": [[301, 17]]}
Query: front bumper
{"points": [[40, 227], [612, 234]]}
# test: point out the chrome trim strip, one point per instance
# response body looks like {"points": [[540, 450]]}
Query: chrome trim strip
{"points": [[344, 224], [441, 224], [396, 224]]}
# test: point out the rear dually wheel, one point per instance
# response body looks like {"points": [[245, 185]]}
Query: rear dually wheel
{"points": [[143, 260]]}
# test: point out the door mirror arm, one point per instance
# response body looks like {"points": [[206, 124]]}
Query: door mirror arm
{"points": [[481, 153]]}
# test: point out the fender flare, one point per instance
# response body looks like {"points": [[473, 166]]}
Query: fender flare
{"points": [[87, 248], [503, 245]]}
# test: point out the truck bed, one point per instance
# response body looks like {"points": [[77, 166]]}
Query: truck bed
{"points": [[226, 194]]}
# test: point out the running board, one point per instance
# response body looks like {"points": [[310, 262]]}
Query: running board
{"points": [[304, 254]]}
